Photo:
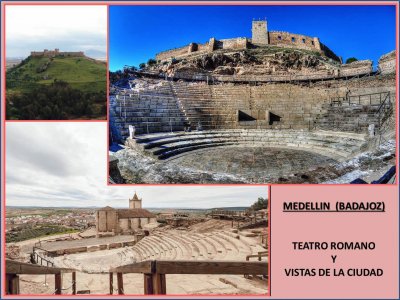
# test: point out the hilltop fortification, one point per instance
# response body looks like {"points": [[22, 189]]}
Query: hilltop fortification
{"points": [[56, 52], [261, 37]]}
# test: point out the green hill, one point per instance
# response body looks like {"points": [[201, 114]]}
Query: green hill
{"points": [[82, 73]]}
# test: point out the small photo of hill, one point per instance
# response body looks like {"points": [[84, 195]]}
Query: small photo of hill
{"points": [[56, 68]]}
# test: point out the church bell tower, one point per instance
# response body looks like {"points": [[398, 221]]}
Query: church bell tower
{"points": [[135, 202]]}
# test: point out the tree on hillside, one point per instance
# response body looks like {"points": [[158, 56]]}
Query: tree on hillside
{"points": [[351, 59], [58, 101], [261, 203], [151, 62], [142, 66]]}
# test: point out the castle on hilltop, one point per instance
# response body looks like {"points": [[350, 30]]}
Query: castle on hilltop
{"points": [[261, 37], [56, 52]]}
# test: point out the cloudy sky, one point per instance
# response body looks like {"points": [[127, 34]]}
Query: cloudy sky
{"points": [[64, 164], [67, 27]]}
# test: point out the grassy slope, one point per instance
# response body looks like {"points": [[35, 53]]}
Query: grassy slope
{"points": [[82, 73]]}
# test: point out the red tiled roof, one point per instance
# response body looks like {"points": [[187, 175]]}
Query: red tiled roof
{"points": [[106, 208], [134, 213]]}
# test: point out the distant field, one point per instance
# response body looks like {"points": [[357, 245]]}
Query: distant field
{"points": [[13, 211], [37, 231], [12, 62], [37, 212]]}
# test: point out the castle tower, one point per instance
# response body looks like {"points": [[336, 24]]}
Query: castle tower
{"points": [[259, 33], [135, 202]]}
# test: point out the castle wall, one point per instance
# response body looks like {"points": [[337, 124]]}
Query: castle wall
{"points": [[259, 33], [328, 52], [284, 39], [260, 36], [178, 52], [235, 43], [56, 52], [213, 44], [387, 63]]}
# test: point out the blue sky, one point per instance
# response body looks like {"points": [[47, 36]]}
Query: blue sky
{"points": [[137, 33]]}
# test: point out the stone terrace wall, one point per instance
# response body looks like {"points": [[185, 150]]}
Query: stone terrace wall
{"points": [[366, 85], [217, 106], [355, 68], [299, 107], [387, 63]]}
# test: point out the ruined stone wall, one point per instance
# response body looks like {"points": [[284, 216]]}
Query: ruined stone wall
{"points": [[52, 53], [165, 55], [213, 44], [359, 86], [387, 63], [79, 54], [236, 43], [284, 39], [356, 68], [329, 53]]}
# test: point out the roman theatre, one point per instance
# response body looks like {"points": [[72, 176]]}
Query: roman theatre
{"points": [[134, 252], [274, 108]]}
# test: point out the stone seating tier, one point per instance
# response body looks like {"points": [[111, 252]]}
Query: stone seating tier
{"points": [[337, 145], [170, 105], [198, 246]]}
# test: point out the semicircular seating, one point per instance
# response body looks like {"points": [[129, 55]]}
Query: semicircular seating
{"points": [[197, 246], [337, 145]]}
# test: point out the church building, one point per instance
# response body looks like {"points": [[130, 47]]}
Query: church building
{"points": [[123, 221]]}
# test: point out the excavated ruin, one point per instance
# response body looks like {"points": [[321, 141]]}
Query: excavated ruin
{"points": [[263, 115]]}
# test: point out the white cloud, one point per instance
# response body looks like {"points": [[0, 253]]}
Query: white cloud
{"points": [[64, 164], [68, 27]]}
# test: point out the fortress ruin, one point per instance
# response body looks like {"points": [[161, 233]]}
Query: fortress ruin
{"points": [[56, 52], [261, 37]]}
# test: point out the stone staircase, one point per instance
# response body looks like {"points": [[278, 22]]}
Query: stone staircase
{"points": [[152, 110], [355, 113]]}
